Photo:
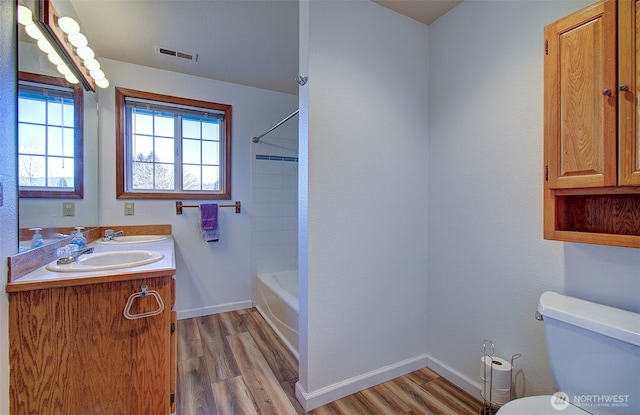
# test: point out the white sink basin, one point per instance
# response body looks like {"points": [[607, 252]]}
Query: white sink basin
{"points": [[107, 260], [132, 239]]}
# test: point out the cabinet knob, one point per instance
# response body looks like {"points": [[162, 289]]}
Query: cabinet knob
{"points": [[606, 92], [624, 87]]}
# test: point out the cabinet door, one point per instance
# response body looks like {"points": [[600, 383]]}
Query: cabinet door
{"points": [[580, 99], [72, 351], [629, 142]]}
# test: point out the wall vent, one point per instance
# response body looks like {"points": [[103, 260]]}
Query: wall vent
{"points": [[163, 50]]}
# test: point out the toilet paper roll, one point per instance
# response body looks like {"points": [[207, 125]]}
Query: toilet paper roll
{"points": [[495, 373]]}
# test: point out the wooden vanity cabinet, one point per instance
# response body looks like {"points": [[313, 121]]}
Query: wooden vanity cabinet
{"points": [[591, 144], [629, 121], [72, 351]]}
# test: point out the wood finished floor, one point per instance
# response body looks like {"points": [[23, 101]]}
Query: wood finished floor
{"points": [[234, 364]]}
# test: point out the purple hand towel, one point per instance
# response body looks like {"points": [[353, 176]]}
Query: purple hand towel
{"points": [[208, 216]]}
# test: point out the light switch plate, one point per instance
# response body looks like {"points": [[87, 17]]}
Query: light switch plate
{"points": [[129, 208], [68, 209]]}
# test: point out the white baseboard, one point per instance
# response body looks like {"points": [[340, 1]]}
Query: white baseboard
{"points": [[463, 382], [214, 309], [310, 401]]}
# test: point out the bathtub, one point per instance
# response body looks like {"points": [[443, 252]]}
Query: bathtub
{"points": [[277, 302]]}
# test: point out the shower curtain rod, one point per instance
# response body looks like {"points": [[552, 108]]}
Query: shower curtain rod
{"points": [[255, 139]]}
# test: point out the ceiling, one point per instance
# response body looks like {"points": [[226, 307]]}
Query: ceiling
{"points": [[424, 11], [252, 43]]}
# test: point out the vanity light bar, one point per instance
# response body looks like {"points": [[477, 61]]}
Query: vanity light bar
{"points": [[67, 48]]}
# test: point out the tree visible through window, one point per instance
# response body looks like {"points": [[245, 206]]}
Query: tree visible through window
{"points": [[172, 147], [49, 137]]}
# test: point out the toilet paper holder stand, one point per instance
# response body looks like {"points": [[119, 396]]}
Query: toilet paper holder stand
{"points": [[490, 407]]}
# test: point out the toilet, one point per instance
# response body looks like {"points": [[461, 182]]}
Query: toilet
{"points": [[594, 356]]}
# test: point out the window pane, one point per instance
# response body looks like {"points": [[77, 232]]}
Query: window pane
{"points": [[142, 122], [142, 175], [210, 178], [164, 150], [191, 151], [32, 110], [164, 125], [68, 143], [54, 141], [32, 170], [190, 128], [164, 177], [32, 139], [191, 177], [60, 172], [211, 130], [68, 113], [54, 112], [210, 152], [142, 148]]}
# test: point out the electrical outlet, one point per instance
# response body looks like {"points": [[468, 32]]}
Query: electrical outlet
{"points": [[68, 209], [129, 209]]}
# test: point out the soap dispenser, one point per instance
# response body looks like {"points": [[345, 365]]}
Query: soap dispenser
{"points": [[78, 238], [37, 240]]}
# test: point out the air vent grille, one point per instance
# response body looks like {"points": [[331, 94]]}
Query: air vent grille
{"points": [[163, 50]]}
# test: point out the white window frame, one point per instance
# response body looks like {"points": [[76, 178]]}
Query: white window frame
{"points": [[127, 99]]}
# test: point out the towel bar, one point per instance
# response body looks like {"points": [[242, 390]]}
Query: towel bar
{"points": [[180, 206], [142, 294]]}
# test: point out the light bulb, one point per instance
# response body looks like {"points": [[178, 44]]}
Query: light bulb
{"points": [[78, 40], [97, 74], [71, 78], [45, 46], [92, 64], [54, 58], [86, 53], [33, 31], [64, 69], [103, 83], [68, 25], [25, 16]]}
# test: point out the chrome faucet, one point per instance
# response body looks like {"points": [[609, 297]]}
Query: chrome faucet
{"points": [[109, 234], [69, 259]]}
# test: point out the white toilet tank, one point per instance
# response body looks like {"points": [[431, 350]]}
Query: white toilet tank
{"points": [[594, 353]]}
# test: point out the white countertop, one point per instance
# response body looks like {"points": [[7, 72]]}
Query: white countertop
{"points": [[42, 277]]}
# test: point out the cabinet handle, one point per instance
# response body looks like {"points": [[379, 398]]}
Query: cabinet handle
{"points": [[606, 92], [624, 87], [142, 294]]}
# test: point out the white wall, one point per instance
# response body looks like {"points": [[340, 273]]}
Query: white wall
{"points": [[364, 162], [211, 277], [488, 262], [8, 168]]}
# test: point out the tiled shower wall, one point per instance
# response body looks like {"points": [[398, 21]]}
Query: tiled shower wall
{"points": [[274, 219]]}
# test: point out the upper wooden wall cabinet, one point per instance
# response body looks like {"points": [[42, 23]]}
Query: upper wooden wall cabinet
{"points": [[591, 125]]}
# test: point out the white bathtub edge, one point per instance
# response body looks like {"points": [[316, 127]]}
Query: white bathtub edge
{"points": [[214, 309], [323, 396], [275, 328], [278, 306]]}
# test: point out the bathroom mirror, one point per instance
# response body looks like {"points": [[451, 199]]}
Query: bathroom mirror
{"points": [[58, 216]]}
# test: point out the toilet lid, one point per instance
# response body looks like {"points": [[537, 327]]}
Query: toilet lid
{"points": [[537, 405]]}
